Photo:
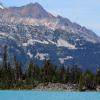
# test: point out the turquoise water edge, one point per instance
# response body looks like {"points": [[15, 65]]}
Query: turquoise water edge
{"points": [[48, 95]]}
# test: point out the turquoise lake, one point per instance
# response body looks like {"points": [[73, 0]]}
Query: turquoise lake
{"points": [[44, 95]]}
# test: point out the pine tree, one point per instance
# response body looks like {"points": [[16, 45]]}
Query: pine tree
{"points": [[47, 71], [62, 75], [5, 58], [32, 74], [10, 76], [81, 82], [89, 80], [4, 75], [18, 70], [68, 74], [98, 76]]}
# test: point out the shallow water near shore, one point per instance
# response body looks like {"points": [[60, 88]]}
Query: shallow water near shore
{"points": [[48, 95]]}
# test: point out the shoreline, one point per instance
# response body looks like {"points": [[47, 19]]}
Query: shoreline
{"points": [[57, 87], [39, 90], [53, 87]]}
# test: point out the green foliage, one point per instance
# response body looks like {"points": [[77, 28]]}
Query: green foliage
{"points": [[89, 80], [5, 57], [47, 72], [98, 76], [13, 77], [81, 82], [32, 74], [18, 70]]}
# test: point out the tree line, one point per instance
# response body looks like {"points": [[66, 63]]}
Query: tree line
{"points": [[13, 77]]}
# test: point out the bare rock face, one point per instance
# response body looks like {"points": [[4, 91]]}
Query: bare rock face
{"points": [[35, 14], [30, 10]]}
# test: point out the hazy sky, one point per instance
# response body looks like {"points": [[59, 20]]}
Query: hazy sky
{"points": [[84, 12]]}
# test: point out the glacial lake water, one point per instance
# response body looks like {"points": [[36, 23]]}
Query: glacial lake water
{"points": [[48, 95]]}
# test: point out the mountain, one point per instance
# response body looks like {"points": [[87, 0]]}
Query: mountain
{"points": [[30, 10], [34, 13], [33, 33]]}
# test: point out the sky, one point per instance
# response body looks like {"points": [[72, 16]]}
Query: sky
{"points": [[83, 12]]}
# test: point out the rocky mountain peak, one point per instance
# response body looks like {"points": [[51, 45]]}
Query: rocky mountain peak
{"points": [[31, 10], [34, 13], [34, 5]]}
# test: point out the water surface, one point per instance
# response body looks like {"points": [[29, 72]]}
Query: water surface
{"points": [[48, 95]]}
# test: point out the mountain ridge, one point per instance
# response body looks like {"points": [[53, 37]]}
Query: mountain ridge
{"points": [[34, 13]]}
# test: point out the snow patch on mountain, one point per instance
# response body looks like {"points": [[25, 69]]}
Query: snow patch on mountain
{"points": [[42, 41], [5, 35], [41, 56], [29, 42], [29, 54], [33, 41], [62, 60], [63, 43], [59, 43], [1, 7], [52, 42]]}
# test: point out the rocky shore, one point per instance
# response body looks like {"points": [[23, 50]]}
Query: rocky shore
{"points": [[98, 88], [57, 86], [61, 87]]}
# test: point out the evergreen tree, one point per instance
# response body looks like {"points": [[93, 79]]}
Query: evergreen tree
{"points": [[4, 73], [75, 73], [5, 57], [68, 74], [30, 71], [89, 80], [33, 74], [13, 77], [98, 76], [10, 76], [18, 70], [62, 75], [81, 82], [72, 75], [18, 74], [47, 71]]}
